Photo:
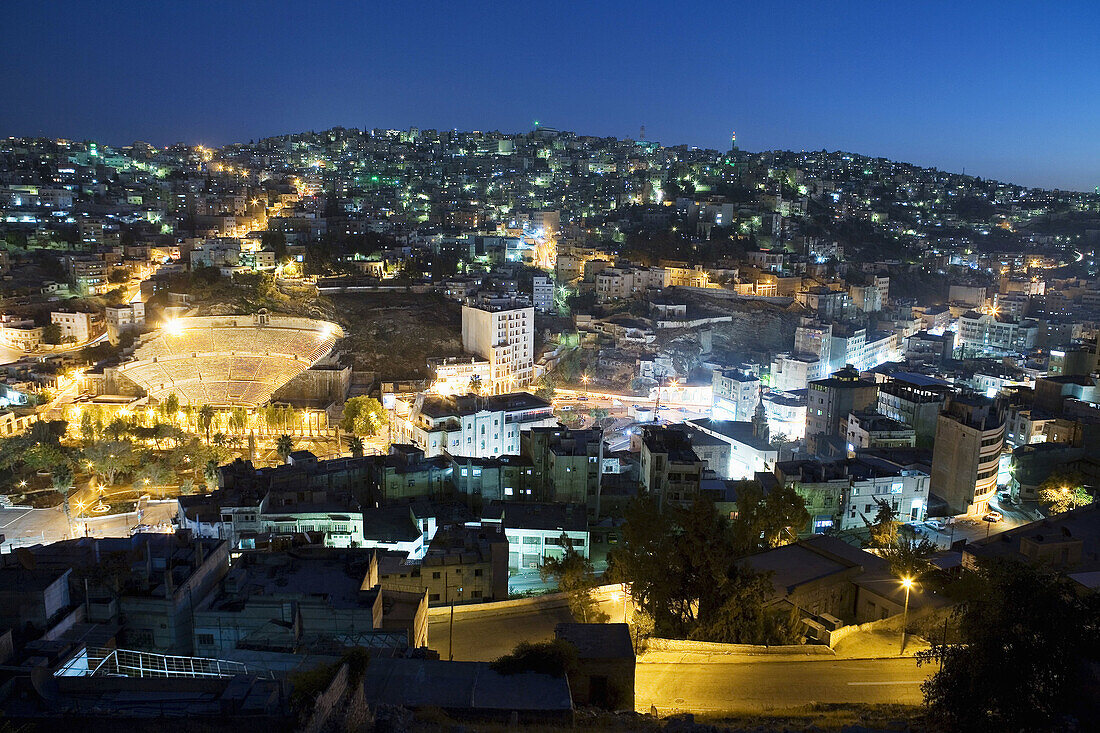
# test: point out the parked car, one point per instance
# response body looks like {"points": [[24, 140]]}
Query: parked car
{"points": [[936, 524], [993, 517]]}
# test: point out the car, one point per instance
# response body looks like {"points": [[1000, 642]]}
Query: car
{"points": [[582, 398], [935, 524], [913, 529], [993, 517]]}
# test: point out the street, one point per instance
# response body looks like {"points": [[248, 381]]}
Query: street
{"points": [[770, 685], [747, 684], [482, 636], [22, 527]]}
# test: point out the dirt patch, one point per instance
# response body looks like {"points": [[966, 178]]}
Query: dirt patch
{"points": [[395, 334]]}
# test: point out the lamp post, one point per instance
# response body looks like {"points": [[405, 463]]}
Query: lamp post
{"points": [[906, 583], [451, 631], [584, 378]]}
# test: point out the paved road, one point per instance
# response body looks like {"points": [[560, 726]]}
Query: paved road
{"points": [[766, 685], [35, 526], [482, 636]]}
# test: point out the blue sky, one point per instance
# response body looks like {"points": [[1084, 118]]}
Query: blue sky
{"points": [[1008, 90]]}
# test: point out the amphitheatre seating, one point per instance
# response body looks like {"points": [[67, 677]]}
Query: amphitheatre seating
{"points": [[222, 364]]}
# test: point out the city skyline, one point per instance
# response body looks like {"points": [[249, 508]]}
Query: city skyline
{"points": [[942, 88]]}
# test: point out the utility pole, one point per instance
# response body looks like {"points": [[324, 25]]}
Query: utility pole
{"points": [[908, 583]]}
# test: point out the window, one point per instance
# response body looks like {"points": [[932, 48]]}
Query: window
{"points": [[475, 594], [205, 639], [478, 572], [435, 576], [433, 597]]}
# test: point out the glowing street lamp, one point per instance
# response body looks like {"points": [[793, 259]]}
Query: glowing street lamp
{"points": [[584, 378], [906, 583]]}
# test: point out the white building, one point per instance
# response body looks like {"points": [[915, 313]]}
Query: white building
{"points": [[988, 332], [469, 426], [123, 318], [74, 326], [905, 490], [542, 294], [505, 337], [735, 394]]}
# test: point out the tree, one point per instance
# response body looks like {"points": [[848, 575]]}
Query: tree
{"points": [[355, 443], [575, 576], [171, 405], [599, 413], [238, 419], [684, 574], [109, 459], [1063, 492], [62, 479], [1027, 640], [51, 334], [363, 416], [210, 474], [767, 521], [206, 419], [475, 384], [545, 387], [882, 531], [556, 658], [284, 446]]}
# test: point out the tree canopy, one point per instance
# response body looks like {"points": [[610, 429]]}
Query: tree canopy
{"points": [[363, 416], [1028, 637]]}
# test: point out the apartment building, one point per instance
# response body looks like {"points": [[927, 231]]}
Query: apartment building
{"points": [[470, 425], [966, 456], [735, 393], [505, 337]]}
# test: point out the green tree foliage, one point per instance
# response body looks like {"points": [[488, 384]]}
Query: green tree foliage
{"points": [[363, 416], [355, 443], [51, 334], [1028, 637], [684, 573], [1063, 492], [556, 658], [109, 459], [882, 529], [284, 446], [545, 387], [238, 419], [475, 384], [767, 521], [576, 577], [206, 419]]}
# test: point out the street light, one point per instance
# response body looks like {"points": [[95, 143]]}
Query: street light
{"points": [[906, 583], [584, 378]]}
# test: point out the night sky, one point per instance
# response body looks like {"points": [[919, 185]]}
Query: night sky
{"points": [[1008, 90]]}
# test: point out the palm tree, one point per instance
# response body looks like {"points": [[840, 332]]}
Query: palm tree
{"points": [[63, 483], [356, 444], [206, 419], [284, 446]]}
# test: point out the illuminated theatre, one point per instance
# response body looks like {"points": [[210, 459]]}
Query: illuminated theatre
{"points": [[228, 361]]}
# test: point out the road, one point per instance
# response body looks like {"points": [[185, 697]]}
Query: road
{"points": [[769, 685], [744, 685], [40, 526], [482, 636]]}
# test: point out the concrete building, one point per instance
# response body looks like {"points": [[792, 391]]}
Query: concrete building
{"points": [[568, 464], [986, 332], [735, 394], [913, 399], [874, 430], [604, 675], [967, 452], [128, 318], [505, 337], [749, 452], [472, 426], [75, 327], [537, 532], [830, 401], [670, 471], [33, 598], [542, 294]]}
